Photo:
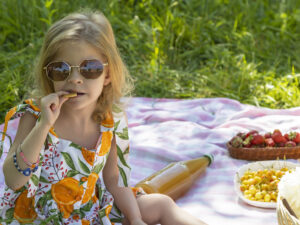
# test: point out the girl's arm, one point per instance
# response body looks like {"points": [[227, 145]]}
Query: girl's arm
{"points": [[123, 196], [31, 136]]}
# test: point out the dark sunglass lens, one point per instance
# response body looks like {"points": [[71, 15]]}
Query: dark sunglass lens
{"points": [[58, 71], [91, 69]]}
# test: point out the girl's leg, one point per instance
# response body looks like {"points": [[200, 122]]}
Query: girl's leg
{"points": [[161, 209]]}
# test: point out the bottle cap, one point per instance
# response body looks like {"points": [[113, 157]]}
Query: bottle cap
{"points": [[210, 158]]}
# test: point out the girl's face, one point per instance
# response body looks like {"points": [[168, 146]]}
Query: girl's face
{"points": [[88, 90]]}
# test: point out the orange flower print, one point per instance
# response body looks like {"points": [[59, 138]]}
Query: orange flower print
{"points": [[91, 182], [94, 199], [107, 211], [89, 156], [106, 142], [85, 222], [109, 121], [24, 208], [65, 193]]}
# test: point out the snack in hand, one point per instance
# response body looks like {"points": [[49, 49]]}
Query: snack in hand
{"points": [[70, 95]]}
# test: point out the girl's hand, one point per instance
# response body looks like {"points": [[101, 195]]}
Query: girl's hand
{"points": [[138, 222], [50, 107]]}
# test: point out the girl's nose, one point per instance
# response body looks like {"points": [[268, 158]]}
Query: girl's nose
{"points": [[75, 76]]}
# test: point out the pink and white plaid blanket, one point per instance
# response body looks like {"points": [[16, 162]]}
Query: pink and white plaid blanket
{"points": [[162, 131]]}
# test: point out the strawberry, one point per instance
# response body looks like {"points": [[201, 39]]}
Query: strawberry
{"points": [[247, 141], [251, 132], [287, 137], [257, 139], [236, 142], [297, 138], [268, 135], [277, 137], [269, 142], [290, 144], [294, 136], [241, 135]]}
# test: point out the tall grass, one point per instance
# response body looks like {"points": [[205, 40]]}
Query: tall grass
{"points": [[244, 50]]}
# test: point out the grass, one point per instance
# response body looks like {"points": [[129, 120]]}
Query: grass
{"points": [[239, 49]]}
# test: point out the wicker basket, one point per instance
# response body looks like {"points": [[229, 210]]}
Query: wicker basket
{"points": [[283, 215], [268, 153]]}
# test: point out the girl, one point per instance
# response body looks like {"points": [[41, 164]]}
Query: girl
{"points": [[68, 162]]}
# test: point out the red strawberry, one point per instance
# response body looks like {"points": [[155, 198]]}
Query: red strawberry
{"points": [[241, 135], [290, 144], [268, 135], [251, 132], [297, 138], [277, 137], [236, 142], [294, 136], [269, 142], [287, 137], [257, 139]]}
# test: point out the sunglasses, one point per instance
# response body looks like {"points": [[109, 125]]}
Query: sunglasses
{"points": [[89, 69]]}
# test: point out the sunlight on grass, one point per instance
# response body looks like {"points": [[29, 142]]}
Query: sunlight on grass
{"points": [[244, 50]]}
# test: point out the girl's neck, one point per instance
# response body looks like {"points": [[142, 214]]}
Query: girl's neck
{"points": [[77, 117]]}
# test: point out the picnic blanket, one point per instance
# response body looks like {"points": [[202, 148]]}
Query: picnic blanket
{"points": [[162, 131]]}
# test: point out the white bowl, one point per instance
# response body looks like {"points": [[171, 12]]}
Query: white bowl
{"points": [[259, 165]]}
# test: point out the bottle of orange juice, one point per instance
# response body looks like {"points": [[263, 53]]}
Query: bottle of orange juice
{"points": [[176, 178]]}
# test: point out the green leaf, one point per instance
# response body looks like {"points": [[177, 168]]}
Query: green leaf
{"points": [[56, 221], [44, 180], [49, 139], [20, 190], [9, 214], [116, 125], [48, 195], [117, 210], [68, 160], [101, 213], [121, 157], [116, 109], [97, 168], [126, 151], [75, 146], [84, 167], [100, 195], [123, 174], [116, 220], [34, 179], [123, 135], [48, 3], [72, 173], [88, 206]]}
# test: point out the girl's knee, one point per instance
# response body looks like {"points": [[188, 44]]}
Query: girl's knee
{"points": [[163, 201]]}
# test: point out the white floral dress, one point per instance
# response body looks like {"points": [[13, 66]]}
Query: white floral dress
{"points": [[68, 186]]}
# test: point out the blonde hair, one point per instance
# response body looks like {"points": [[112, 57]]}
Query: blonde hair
{"points": [[94, 29]]}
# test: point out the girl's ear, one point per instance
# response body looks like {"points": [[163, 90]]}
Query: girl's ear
{"points": [[107, 78]]}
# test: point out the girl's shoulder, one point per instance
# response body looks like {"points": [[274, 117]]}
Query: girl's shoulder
{"points": [[29, 105]]}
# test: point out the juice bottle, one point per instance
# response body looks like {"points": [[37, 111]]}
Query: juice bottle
{"points": [[176, 178]]}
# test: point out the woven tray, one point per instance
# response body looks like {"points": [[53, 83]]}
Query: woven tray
{"points": [[283, 215], [268, 153]]}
